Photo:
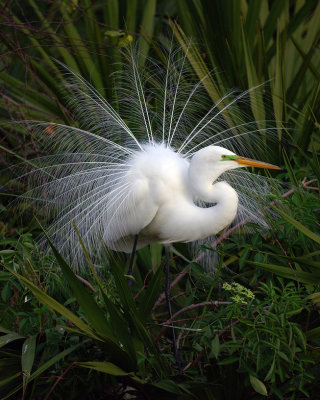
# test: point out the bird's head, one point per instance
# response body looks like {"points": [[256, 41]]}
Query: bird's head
{"points": [[221, 159]]}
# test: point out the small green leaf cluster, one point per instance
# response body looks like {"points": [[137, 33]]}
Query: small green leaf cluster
{"points": [[239, 293]]}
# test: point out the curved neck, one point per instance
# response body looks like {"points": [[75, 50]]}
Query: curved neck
{"points": [[221, 194], [201, 180]]}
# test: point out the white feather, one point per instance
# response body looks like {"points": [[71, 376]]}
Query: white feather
{"points": [[138, 171]]}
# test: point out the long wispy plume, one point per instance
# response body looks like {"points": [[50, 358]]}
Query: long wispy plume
{"points": [[88, 178]]}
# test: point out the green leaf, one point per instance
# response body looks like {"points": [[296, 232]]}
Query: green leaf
{"points": [[198, 65], [313, 333], [306, 231], [80, 48], [47, 365], [45, 299], [10, 337], [271, 22], [109, 368], [215, 346], [111, 11], [4, 330], [147, 28], [150, 295], [117, 321], [290, 273], [315, 297], [278, 92], [258, 386], [229, 360], [131, 15], [270, 373], [132, 315], [296, 82], [27, 359], [283, 356], [6, 292], [5, 252], [6, 381], [302, 339], [156, 253], [169, 386], [60, 47], [103, 366], [90, 308], [123, 288], [256, 100], [251, 20]]}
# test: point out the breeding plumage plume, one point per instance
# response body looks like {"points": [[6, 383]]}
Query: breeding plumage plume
{"points": [[160, 163]]}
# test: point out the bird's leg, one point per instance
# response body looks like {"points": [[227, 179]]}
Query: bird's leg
{"points": [[168, 299], [132, 258]]}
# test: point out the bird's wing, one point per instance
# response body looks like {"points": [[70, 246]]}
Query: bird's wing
{"points": [[134, 209]]}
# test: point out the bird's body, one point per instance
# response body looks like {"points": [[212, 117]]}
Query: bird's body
{"points": [[164, 190], [150, 167]]}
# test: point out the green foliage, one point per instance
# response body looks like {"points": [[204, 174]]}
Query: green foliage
{"points": [[271, 344], [254, 42], [259, 336]]}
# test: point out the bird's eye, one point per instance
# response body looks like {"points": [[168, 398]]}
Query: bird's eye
{"points": [[223, 157]]}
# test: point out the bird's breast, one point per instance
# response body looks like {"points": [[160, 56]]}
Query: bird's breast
{"points": [[166, 173]]}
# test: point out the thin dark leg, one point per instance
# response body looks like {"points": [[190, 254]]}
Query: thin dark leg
{"points": [[168, 298], [132, 258]]}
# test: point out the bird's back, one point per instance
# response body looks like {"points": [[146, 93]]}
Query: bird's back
{"points": [[154, 178]]}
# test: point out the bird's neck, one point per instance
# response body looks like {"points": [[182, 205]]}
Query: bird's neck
{"points": [[221, 194], [201, 180]]}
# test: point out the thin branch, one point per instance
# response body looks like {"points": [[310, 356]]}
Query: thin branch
{"points": [[188, 308], [60, 378], [86, 283]]}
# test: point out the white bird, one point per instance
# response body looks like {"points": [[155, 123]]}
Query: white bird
{"points": [[164, 188], [150, 169]]}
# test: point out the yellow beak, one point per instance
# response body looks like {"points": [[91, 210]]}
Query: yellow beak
{"points": [[254, 163]]}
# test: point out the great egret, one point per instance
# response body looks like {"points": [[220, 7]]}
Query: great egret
{"points": [[140, 172], [163, 189]]}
